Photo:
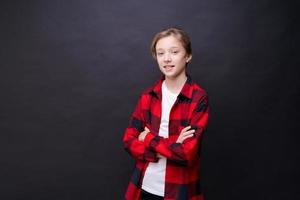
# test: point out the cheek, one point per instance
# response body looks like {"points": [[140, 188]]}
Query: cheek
{"points": [[159, 62], [180, 60]]}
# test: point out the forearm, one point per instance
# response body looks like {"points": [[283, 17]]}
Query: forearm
{"points": [[180, 153], [136, 148]]}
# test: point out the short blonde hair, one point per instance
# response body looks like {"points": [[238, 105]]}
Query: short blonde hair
{"points": [[181, 35]]}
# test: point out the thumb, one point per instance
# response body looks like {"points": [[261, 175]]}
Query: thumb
{"points": [[146, 129]]}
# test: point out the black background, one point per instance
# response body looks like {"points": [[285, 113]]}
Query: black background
{"points": [[71, 73]]}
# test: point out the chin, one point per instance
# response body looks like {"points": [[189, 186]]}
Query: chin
{"points": [[171, 76]]}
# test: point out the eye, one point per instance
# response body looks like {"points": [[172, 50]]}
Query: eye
{"points": [[159, 53], [174, 52]]}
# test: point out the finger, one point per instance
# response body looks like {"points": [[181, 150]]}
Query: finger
{"points": [[188, 132], [146, 129], [188, 136], [159, 155], [179, 141], [186, 129]]}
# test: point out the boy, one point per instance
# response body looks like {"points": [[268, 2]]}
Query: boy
{"points": [[166, 127]]}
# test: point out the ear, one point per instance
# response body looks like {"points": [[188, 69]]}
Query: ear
{"points": [[188, 58]]}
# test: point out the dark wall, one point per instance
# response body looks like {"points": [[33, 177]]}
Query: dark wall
{"points": [[71, 73]]}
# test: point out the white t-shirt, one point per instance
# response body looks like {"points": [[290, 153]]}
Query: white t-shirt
{"points": [[154, 178]]}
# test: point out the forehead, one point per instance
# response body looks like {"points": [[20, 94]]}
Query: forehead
{"points": [[167, 42]]}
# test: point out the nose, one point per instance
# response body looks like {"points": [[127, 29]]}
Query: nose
{"points": [[167, 57]]}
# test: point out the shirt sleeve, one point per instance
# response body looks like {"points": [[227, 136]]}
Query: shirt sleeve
{"points": [[183, 153], [132, 145]]}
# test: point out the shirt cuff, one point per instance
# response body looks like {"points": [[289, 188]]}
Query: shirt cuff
{"points": [[150, 156], [148, 139]]}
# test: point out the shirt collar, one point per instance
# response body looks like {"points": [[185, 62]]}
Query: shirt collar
{"points": [[186, 90]]}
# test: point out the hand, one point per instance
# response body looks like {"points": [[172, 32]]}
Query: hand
{"points": [[159, 155], [143, 134], [185, 133]]}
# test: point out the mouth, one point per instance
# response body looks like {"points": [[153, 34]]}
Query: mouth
{"points": [[168, 67]]}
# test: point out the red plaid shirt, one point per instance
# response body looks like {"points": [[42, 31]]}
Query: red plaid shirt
{"points": [[182, 170]]}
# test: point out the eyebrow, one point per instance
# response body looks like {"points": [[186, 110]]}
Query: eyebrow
{"points": [[174, 47]]}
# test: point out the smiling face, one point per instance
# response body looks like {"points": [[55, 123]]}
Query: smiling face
{"points": [[171, 57]]}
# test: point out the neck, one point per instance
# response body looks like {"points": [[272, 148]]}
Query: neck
{"points": [[175, 84]]}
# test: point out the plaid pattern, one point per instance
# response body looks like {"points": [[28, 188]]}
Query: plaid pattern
{"points": [[182, 170]]}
